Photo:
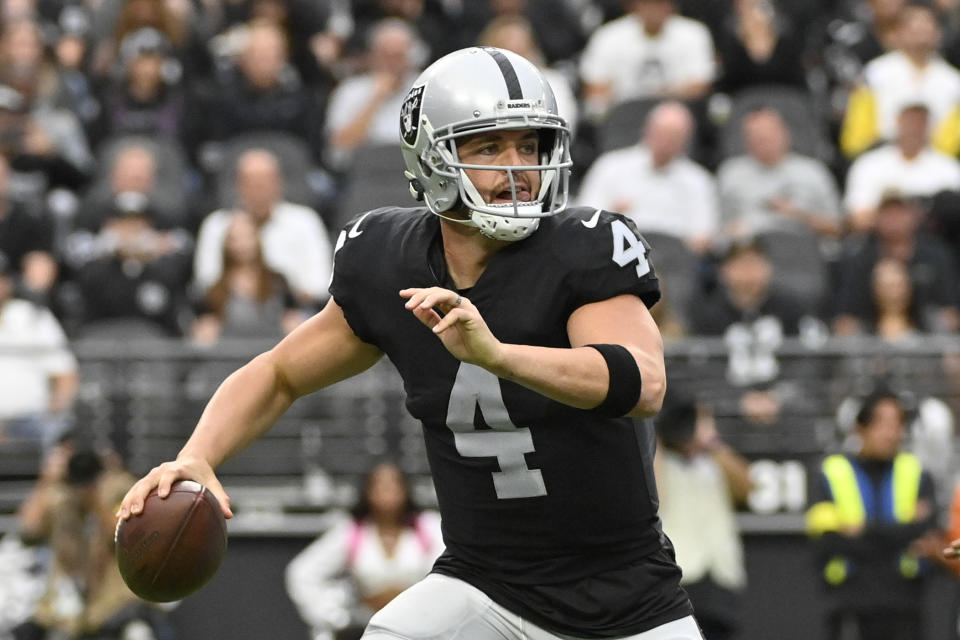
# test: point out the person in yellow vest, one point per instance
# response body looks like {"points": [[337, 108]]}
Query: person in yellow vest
{"points": [[865, 511]]}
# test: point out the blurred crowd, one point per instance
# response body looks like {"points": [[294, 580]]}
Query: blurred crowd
{"points": [[181, 167]]}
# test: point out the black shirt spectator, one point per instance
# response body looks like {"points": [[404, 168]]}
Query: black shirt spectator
{"points": [[758, 45], [135, 275], [932, 269], [264, 91], [147, 96]]}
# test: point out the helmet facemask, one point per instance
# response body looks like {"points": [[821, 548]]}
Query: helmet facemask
{"points": [[508, 220]]}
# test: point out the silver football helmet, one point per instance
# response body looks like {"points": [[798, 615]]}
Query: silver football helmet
{"points": [[472, 91]]}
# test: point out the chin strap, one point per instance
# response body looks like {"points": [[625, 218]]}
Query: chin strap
{"points": [[506, 228], [416, 189]]}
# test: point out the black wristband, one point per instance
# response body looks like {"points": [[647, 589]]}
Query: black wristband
{"points": [[623, 391]]}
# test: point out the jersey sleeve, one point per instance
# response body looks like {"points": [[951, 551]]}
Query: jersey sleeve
{"points": [[355, 258], [611, 258]]}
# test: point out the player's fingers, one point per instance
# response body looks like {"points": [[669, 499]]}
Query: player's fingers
{"points": [[410, 294], [427, 316], [423, 299], [167, 477], [453, 317], [221, 495], [132, 503]]}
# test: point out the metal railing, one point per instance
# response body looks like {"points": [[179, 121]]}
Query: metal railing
{"points": [[145, 396]]}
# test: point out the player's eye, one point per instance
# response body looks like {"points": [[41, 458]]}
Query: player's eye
{"points": [[529, 148]]}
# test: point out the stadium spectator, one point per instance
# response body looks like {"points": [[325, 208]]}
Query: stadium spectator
{"points": [[262, 91], [866, 508], [114, 22], [27, 240], [848, 36], [439, 25], [701, 481], [555, 26], [908, 164], [771, 187], [70, 53], [753, 317], [134, 167], [365, 558], [310, 28], [146, 95], [758, 45], [931, 267], [363, 108], [650, 51], [71, 509], [38, 371], [896, 318], [249, 300], [133, 275], [295, 242], [914, 71], [655, 183], [24, 65], [515, 33]]}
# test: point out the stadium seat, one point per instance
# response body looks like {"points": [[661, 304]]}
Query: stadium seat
{"points": [[677, 268], [799, 267], [623, 125], [374, 179]]}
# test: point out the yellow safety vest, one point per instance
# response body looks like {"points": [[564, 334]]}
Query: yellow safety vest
{"points": [[847, 508]]}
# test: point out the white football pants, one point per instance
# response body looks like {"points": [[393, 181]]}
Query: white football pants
{"points": [[444, 608]]}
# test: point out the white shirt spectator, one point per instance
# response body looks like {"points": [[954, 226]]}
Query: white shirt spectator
{"points": [[885, 168], [295, 244], [699, 520], [33, 349], [346, 100], [893, 78], [680, 199], [621, 55]]}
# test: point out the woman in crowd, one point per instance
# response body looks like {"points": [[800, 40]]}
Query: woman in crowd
{"points": [[365, 558]]}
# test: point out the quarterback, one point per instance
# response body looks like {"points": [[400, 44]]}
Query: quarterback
{"points": [[522, 333]]}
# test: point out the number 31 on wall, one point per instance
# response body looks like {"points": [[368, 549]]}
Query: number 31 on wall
{"points": [[778, 486]]}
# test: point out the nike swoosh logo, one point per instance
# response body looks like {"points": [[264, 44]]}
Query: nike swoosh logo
{"points": [[355, 229], [592, 222]]}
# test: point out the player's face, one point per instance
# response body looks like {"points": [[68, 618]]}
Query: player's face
{"points": [[503, 148]]}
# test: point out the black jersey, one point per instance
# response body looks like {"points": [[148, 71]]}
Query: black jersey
{"points": [[534, 494]]}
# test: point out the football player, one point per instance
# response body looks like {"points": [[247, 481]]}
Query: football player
{"points": [[522, 333]]}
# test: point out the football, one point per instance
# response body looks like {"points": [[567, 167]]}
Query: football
{"points": [[174, 545]]}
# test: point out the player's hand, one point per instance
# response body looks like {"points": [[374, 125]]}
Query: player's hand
{"points": [[461, 328], [953, 551], [162, 478]]}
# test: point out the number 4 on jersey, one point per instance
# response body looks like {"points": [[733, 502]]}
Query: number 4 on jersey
{"points": [[478, 389], [627, 248]]}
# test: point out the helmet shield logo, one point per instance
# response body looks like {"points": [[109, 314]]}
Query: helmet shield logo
{"points": [[410, 115]]}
